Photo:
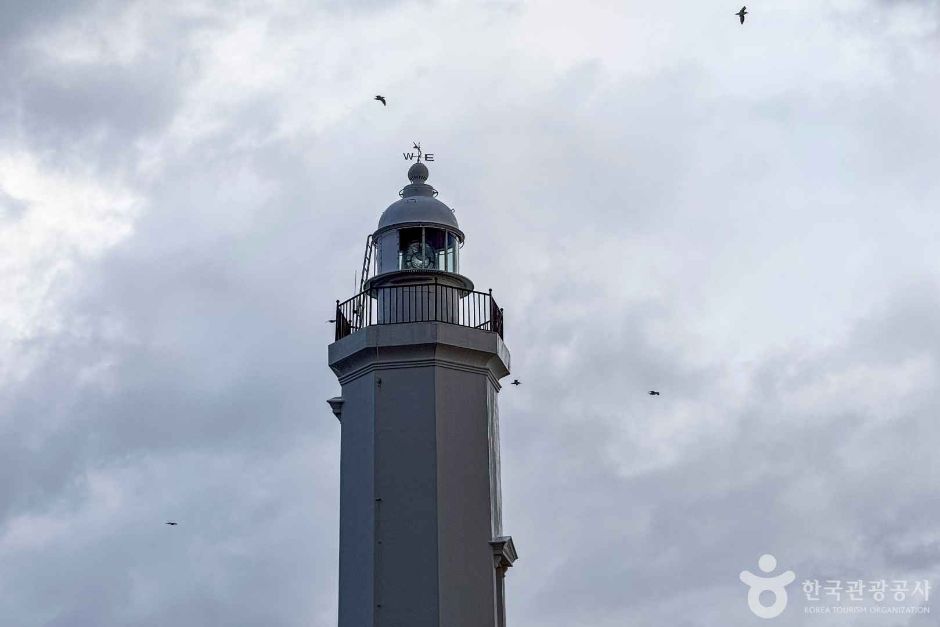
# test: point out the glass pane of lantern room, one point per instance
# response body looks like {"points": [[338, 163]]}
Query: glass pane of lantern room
{"points": [[451, 252], [435, 241], [409, 248]]}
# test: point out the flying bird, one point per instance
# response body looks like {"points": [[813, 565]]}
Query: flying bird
{"points": [[742, 13], [653, 393], [516, 382], [331, 321], [172, 523], [382, 98]]}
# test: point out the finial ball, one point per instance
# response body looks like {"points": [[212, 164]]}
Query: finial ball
{"points": [[418, 173]]}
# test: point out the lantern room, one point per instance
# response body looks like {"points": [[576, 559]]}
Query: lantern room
{"points": [[418, 238]]}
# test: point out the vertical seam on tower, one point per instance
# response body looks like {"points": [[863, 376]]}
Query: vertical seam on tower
{"points": [[377, 498]]}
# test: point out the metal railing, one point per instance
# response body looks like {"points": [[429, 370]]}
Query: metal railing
{"points": [[426, 302]]}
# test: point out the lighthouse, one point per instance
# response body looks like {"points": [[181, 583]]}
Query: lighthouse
{"points": [[419, 354]]}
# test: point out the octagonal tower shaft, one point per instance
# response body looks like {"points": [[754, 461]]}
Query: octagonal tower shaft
{"points": [[421, 540]]}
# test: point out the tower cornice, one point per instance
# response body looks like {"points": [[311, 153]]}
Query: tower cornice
{"points": [[420, 344]]}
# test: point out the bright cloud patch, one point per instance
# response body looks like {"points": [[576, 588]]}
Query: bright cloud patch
{"points": [[52, 223]]}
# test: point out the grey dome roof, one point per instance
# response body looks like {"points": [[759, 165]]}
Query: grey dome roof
{"points": [[418, 204], [418, 209]]}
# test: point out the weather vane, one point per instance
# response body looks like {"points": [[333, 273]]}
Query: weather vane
{"points": [[409, 156]]}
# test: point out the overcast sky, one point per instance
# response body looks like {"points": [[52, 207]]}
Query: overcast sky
{"points": [[745, 218]]}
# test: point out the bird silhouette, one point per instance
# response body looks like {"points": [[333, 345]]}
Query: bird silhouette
{"points": [[382, 98], [172, 523], [653, 393], [742, 13], [331, 321], [516, 382]]}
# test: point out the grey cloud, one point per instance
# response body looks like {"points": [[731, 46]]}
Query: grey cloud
{"points": [[124, 103], [648, 542], [11, 208], [22, 19]]}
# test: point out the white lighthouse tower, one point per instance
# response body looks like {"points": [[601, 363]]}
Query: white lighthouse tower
{"points": [[419, 355]]}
